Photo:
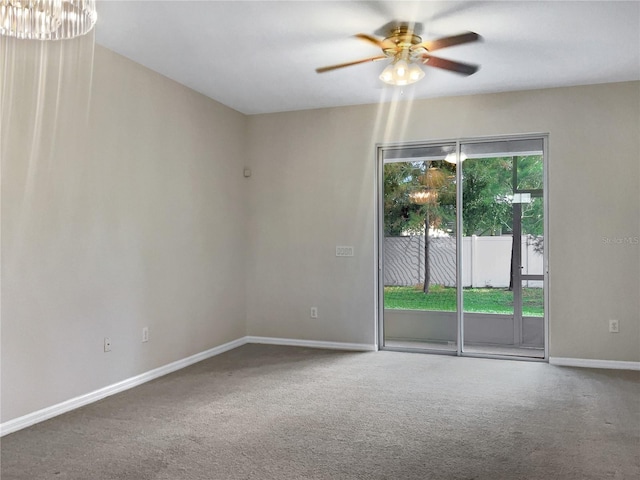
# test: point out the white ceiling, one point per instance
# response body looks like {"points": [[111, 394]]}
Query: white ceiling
{"points": [[260, 56]]}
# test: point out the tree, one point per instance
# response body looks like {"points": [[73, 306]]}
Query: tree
{"points": [[486, 189], [399, 212]]}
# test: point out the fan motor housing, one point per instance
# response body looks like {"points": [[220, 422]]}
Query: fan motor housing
{"points": [[403, 39]]}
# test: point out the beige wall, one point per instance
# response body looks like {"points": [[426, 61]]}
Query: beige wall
{"points": [[123, 206], [313, 189]]}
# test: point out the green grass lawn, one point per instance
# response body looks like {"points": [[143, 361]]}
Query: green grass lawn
{"points": [[479, 300]]}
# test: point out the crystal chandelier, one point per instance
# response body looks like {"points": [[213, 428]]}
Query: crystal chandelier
{"points": [[423, 196], [430, 181], [46, 19]]}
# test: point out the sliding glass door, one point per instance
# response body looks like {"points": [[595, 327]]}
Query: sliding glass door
{"points": [[462, 247], [419, 248]]}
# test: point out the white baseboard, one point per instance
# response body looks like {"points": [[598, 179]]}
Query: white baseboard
{"points": [[589, 363], [68, 405], [46, 413], [361, 347]]}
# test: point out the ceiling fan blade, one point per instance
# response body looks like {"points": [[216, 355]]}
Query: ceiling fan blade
{"points": [[348, 64], [382, 44], [457, 67], [432, 45]]}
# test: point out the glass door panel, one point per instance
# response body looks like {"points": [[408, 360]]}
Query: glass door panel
{"points": [[419, 249], [502, 268], [487, 227]]}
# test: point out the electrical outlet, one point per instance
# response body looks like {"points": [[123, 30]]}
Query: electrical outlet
{"points": [[107, 344], [614, 326], [314, 312], [145, 334]]}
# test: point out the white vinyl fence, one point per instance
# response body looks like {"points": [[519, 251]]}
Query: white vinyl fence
{"points": [[486, 261]]}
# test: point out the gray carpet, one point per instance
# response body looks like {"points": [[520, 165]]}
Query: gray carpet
{"points": [[268, 412]]}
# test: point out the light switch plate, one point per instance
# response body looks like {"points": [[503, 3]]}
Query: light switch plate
{"points": [[344, 251]]}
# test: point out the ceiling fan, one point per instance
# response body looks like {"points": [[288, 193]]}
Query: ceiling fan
{"points": [[407, 49]]}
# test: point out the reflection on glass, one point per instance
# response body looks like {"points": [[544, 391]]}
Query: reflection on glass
{"points": [[419, 224], [420, 253]]}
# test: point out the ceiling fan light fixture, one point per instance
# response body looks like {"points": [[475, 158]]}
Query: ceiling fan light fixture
{"points": [[47, 19], [401, 73], [408, 53], [415, 73]]}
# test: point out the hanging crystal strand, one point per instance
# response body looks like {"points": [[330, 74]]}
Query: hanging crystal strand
{"points": [[30, 19], [78, 18], [47, 19]]}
